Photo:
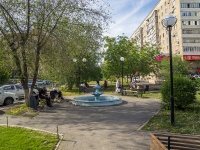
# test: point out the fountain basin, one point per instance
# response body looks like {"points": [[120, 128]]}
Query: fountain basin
{"points": [[102, 101]]}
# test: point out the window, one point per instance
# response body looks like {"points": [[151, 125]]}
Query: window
{"points": [[190, 5], [174, 3], [9, 87], [184, 22]]}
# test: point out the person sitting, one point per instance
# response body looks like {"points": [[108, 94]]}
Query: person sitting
{"points": [[87, 85], [83, 87], [55, 89], [43, 95], [105, 85], [133, 85]]}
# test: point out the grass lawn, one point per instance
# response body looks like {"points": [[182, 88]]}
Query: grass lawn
{"points": [[23, 139], [186, 121]]}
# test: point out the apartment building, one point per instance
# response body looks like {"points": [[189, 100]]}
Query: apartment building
{"points": [[185, 33]]}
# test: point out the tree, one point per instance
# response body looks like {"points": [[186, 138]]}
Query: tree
{"points": [[27, 26], [83, 43], [4, 76], [138, 61], [180, 67]]}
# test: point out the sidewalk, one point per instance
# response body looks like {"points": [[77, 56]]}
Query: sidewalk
{"points": [[95, 128]]}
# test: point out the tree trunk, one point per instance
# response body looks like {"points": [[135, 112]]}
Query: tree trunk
{"points": [[70, 86]]}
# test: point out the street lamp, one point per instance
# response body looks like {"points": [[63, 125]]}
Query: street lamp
{"points": [[122, 61], [75, 60], [79, 72], [168, 22]]}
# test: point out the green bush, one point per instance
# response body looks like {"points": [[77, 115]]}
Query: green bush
{"points": [[184, 92], [197, 81]]}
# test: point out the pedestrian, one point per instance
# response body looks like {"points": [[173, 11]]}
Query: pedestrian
{"points": [[105, 85], [98, 83], [83, 87], [118, 88], [43, 95], [133, 85], [55, 89]]}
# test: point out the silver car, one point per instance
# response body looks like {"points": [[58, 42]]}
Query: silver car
{"points": [[7, 98], [17, 89]]}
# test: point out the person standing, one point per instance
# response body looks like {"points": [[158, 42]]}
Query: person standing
{"points": [[118, 87], [98, 82]]}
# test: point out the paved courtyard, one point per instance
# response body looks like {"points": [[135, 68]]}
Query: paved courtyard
{"points": [[95, 128]]}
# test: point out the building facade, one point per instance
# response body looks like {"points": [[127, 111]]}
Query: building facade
{"points": [[185, 33]]}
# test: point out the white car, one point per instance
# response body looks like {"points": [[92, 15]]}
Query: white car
{"points": [[17, 89], [7, 98], [136, 79], [40, 82]]}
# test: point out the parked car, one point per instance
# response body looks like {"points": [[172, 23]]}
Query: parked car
{"points": [[17, 89], [7, 98], [196, 76], [136, 79], [47, 82], [40, 82]]}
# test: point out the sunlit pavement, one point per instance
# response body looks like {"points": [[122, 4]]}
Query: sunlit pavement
{"points": [[95, 128]]}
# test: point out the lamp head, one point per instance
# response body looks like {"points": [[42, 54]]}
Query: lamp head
{"points": [[84, 59], [122, 58], [74, 59], [169, 21]]}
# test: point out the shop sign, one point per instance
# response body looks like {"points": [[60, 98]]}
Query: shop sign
{"points": [[191, 57]]}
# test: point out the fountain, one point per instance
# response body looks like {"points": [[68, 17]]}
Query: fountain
{"points": [[96, 99]]}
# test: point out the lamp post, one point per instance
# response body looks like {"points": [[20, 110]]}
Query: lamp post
{"points": [[79, 72], [168, 22], [75, 60], [122, 61]]}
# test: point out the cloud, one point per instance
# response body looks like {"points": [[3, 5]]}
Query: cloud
{"points": [[128, 15]]}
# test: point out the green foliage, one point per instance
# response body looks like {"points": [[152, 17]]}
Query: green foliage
{"points": [[180, 67], [136, 60], [197, 82], [42, 38], [184, 92], [186, 122], [4, 76]]}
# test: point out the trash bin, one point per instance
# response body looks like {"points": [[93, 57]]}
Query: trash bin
{"points": [[33, 102]]}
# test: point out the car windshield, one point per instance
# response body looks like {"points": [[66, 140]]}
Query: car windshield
{"points": [[39, 80], [18, 86], [1, 89]]}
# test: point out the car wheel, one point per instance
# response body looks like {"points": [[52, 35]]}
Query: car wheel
{"points": [[8, 101]]}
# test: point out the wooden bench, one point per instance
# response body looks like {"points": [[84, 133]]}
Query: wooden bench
{"points": [[174, 141], [125, 92], [136, 92]]}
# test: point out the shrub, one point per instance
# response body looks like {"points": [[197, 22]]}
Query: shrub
{"points": [[184, 92], [197, 81]]}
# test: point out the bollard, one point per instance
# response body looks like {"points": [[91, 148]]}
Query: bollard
{"points": [[7, 120], [57, 132]]}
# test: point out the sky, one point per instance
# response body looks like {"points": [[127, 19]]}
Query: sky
{"points": [[127, 15]]}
